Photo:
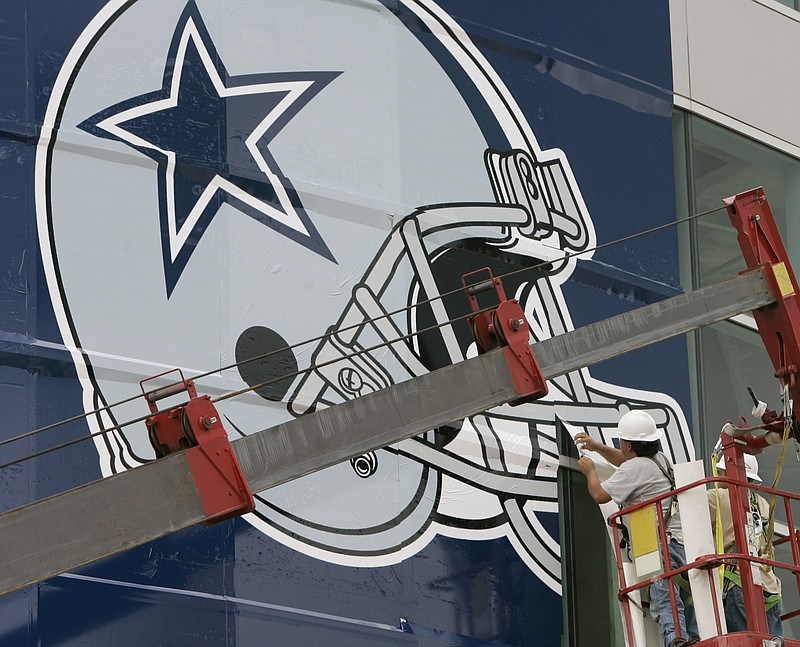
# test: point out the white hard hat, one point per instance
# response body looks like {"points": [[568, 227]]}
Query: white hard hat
{"points": [[750, 467], [638, 426]]}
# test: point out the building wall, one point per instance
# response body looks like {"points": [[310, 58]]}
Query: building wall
{"points": [[734, 63]]}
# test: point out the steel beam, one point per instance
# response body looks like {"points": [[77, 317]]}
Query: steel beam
{"points": [[109, 516]]}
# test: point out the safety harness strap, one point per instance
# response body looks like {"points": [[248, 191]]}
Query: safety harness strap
{"points": [[670, 476], [769, 600], [718, 530], [683, 584]]}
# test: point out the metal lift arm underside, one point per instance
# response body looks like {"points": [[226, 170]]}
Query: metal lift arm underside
{"points": [[111, 515]]}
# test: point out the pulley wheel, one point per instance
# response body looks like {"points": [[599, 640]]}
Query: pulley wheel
{"points": [[158, 448], [498, 330], [476, 335], [189, 440]]}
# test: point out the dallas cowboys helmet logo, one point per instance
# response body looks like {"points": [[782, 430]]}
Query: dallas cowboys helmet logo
{"points": [[193, 138]]}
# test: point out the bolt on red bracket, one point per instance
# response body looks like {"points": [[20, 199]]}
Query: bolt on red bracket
{"points": [[505, 326], [196, 428], [778, 324]]}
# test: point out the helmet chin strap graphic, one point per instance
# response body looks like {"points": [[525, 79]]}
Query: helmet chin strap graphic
{"points": [[544, 190]]}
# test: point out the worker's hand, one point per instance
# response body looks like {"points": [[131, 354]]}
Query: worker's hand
{"points": [[586, 465], [584, 441]]}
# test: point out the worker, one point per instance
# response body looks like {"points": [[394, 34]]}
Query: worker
{"points": [[733, 600], [643, 473]]}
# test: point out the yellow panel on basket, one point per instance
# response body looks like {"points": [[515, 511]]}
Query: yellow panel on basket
{"points": [[782, 277], [644, 531]]}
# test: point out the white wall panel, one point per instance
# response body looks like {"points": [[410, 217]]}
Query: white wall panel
{"points": [[738, 62]]}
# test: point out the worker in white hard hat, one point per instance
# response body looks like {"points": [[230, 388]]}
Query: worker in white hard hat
{"points": [[732, 597], [643, 473]]}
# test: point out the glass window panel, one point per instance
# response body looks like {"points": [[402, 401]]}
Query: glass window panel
{"points": [[724, 163], [733, 359]]}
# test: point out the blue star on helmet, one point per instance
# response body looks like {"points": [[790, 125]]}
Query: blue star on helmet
{"points": [[209, 134]]}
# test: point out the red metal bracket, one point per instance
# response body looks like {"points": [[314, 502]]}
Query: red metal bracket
{"points": [[505, 326], [763, 249], [196, 428]]}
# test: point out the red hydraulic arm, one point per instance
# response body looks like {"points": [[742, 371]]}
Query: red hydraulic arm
{"points": [[779, 323], [779, 326]]}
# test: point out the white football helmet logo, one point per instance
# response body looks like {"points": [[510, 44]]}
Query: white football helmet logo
{"points": [[205, 199]]}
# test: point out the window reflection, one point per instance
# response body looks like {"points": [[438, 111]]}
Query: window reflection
{"points": [[724, 163]]}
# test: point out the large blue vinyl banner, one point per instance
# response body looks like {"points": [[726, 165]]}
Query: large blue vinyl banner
{"points": [[189, 184]]}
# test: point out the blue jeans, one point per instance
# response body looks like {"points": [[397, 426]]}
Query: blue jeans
{"points": [[660, 606], [734, 613]]}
